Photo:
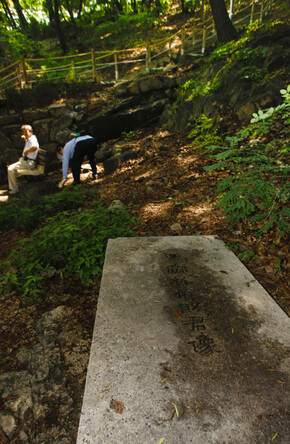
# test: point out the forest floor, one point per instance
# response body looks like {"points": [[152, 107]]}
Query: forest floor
{"points": [[167, 189], [170, 193]]}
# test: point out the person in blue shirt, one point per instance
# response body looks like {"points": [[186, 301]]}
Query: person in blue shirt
{"points": [[75, 151]]}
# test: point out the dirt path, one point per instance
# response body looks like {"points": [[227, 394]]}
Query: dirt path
{"points": [[167, 189]]}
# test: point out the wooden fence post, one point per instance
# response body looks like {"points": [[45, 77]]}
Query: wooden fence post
{"points": [[231, 9], [169, 49], [203, 40], [73, 70], [24, 72], [193, 38], [182, 41], [94, 65], [116, 66], [148, 58]]}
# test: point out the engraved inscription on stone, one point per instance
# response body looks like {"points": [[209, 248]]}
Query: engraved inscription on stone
{"points": [[191, 309]]}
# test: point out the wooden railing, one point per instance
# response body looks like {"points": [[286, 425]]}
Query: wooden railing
{"points": [[107, 65]]}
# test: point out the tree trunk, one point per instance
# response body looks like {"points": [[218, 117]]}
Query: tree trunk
{"points": [[223, 25], [118, 5], [134, 6], [22, 19], [8, 14], [49, 7], [61, 36], [80, 8], [70, 11]]}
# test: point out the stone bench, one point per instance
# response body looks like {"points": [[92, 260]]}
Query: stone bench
{"points": [[187, 348]]}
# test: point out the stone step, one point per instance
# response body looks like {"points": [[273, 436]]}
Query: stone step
{"points": [[187, 348]]}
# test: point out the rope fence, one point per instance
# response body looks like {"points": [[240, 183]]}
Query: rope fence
{"points": [[190, 40]]}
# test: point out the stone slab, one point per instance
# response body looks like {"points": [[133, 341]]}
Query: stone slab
{"points": [[187, 348]]}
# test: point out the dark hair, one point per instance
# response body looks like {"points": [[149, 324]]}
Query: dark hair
{"points": [[59, 147]]}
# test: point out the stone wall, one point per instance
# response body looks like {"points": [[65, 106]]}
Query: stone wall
{"points": [[105, 115]]}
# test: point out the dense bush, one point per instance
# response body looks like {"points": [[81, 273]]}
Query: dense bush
{"points": [[16, 215], [257, 189], [72, 244]]}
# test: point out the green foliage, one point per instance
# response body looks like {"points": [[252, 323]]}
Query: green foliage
{"points": [[15, 215], [45, 91], [16, 44], [256, 190], [71, 244], [110, 33], [128, 136], [247, 255], [203, 133]]}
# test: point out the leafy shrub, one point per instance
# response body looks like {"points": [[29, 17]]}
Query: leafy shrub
{"points": [[203, 133], [15, 215], [72, 244], [257, 190]]}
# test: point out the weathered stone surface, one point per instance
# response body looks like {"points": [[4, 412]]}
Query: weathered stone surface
{"points": [[42, 394], [189, 347], [156, 83], [8, 424], [133, 88], [63, 123], [112, 164], [116, 205], [32, 114], [59, 109], [10, 119], [145, 85], [120, 89], [5, 142], [41, 129]]}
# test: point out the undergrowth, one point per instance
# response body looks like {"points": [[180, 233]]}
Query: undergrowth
{"points": [[256, 190], [70, 244], [20, 217]]}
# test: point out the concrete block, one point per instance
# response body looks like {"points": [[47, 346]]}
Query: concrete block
{"points": [[187, 348]]}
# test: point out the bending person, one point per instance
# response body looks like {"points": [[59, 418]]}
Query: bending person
{"points": [[28, 159], [76, 150]]}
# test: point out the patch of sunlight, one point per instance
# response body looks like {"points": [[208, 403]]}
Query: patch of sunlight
{"points": [[197, 210], [143, 176], [3, 198], [156, 209], [185, 160]]}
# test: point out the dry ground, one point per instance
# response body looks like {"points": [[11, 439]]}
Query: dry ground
{"points": [[167, 189]]}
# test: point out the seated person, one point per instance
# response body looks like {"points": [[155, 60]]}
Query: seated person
{"points": [[76, 150], [28, 159]]}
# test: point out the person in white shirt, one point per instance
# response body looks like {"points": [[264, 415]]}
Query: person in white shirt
{"points": [[75, 151], [28, 159]]}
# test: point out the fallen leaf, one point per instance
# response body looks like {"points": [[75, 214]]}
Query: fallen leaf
{"points": [[176, 409], [118, 406]]}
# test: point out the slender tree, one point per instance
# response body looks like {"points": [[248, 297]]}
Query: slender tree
{"points": [[8, 14], [21, 16], [61, 36], [224, 28]]}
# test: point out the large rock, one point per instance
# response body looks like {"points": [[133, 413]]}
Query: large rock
{"points": [[59, 109], [63, 123], [42, 395], [32, 114], [111, 126], [41, 130], [5, 142]]}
